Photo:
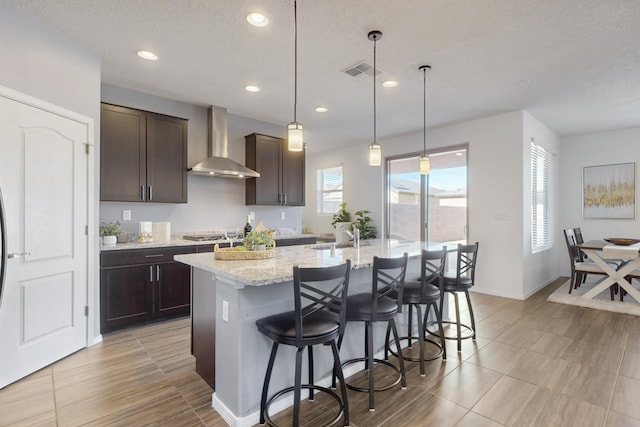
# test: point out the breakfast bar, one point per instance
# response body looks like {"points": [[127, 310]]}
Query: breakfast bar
{"points": [[228, 296]]}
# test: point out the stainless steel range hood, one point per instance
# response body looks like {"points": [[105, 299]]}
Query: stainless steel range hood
{"points": [[218, 164]]}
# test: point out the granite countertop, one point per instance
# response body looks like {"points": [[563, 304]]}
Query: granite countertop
{"points": [[177, 240], [280, 268]]}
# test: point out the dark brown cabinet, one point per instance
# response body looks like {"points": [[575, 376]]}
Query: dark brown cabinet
{"points": [[281, 181], [143, 285], [143, 156]]}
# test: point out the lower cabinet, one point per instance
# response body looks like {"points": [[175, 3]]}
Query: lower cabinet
{"points": [[143, 285]]}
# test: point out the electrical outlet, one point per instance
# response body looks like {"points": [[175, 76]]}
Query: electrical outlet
{"points": [[252, 215], [126, 215], [225, 311], [282, 215]]}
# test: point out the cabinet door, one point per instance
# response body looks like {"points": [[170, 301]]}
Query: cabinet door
{"points": [[122, 154], [125, 296], [173, 289], [166, 159], [293, 170], [263, 154]]}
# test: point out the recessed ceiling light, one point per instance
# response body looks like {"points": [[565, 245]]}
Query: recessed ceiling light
{"points": [[524, 81], [389, 83], [321, 109], [257, 19], [252, 88], [145, 54], [459, 153]]}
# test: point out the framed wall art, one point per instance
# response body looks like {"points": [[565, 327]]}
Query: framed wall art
{"points": [[609, 191]]}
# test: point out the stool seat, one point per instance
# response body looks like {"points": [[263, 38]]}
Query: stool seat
{"points": [[281, 327], [452, 284], [359, 307], [413, 293]]}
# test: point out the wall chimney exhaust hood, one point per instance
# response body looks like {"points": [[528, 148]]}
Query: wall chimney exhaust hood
{"points": [[218, 164]]}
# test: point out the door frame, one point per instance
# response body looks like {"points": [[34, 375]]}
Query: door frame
{"points": [[423, 183], [93, 334]]}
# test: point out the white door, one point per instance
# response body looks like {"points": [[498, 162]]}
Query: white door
{"points": [[43, 177]]}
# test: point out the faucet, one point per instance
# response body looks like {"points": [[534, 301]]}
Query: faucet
{"points": [[355, 235]]}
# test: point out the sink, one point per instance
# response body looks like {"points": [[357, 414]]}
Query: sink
{"points": [[327, 246]]}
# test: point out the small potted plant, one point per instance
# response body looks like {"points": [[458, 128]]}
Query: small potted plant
{"points": [[258, 240], [364, 223], [109, 231]]}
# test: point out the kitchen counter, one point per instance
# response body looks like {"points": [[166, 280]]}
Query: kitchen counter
{"points": [[280, 268], [177, 240], [229, 296]]}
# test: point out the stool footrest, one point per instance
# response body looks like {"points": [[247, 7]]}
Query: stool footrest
{"points": [[415, 359], [465, 330], [269, 421], [380, 361]]}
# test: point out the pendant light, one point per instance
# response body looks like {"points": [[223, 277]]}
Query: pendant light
{"points": [[375, 151], [294, 129], [425, 162]]}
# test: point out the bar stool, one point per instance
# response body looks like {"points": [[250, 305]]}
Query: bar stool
{"points": [[462, 282], [378, 306], [426, 291], [321, 321]]}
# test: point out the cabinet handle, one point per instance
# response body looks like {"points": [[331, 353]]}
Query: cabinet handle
{"points": [[150, 193], [153, 256], [284, 199], [279, 198], [158, 273], [151, 273], [142, 192]]}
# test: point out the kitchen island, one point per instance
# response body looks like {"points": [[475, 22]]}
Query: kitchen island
{"points": [[229, 296]]}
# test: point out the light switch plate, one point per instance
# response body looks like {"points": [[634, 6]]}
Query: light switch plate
{"points": [[126, 215], [225, 311], [282, 215]]}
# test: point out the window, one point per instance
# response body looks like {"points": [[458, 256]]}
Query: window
{"points": [[329, 190], [540, 198]]}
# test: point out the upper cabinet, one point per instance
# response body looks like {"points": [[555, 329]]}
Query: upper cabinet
{"points": [[281, 181], [143, 156]]}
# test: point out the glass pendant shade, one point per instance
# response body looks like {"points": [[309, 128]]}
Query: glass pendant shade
{"points": [[375, 154], [425, 165], [294, 136]]}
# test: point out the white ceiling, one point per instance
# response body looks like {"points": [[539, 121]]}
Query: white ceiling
{"points": [[573, 64]]}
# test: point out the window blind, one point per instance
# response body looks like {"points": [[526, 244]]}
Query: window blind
{"points": [[329, 190], [540, 198]]}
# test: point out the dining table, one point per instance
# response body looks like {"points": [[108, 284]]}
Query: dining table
{"points": [[599, 251]]}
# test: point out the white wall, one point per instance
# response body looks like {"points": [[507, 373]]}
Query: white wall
{"points": [[540, 268], [45, 64], [604, 148], [213, 203], [495, 192]]}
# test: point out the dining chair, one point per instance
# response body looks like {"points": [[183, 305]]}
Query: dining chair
{"points": [[580, 266], [321, 321]]}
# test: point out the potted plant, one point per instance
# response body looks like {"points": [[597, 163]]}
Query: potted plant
{"points": [[341, 221], [109, 231], [364, 223], [258, 240]]}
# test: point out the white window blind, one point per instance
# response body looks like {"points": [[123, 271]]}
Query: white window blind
{"points": [[540, 198], [329, 190]]}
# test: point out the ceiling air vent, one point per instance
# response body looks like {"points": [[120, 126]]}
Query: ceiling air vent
{"points": [[362, 68]]}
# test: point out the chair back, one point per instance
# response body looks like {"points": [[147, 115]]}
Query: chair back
{"points": [[388, 278], [466, 263], [432, 269], [322, 289], [574, 252], [577, 234]]}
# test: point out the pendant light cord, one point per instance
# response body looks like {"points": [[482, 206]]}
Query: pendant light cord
{"points": [[424, 109], [375, 41], [295, 67]]}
